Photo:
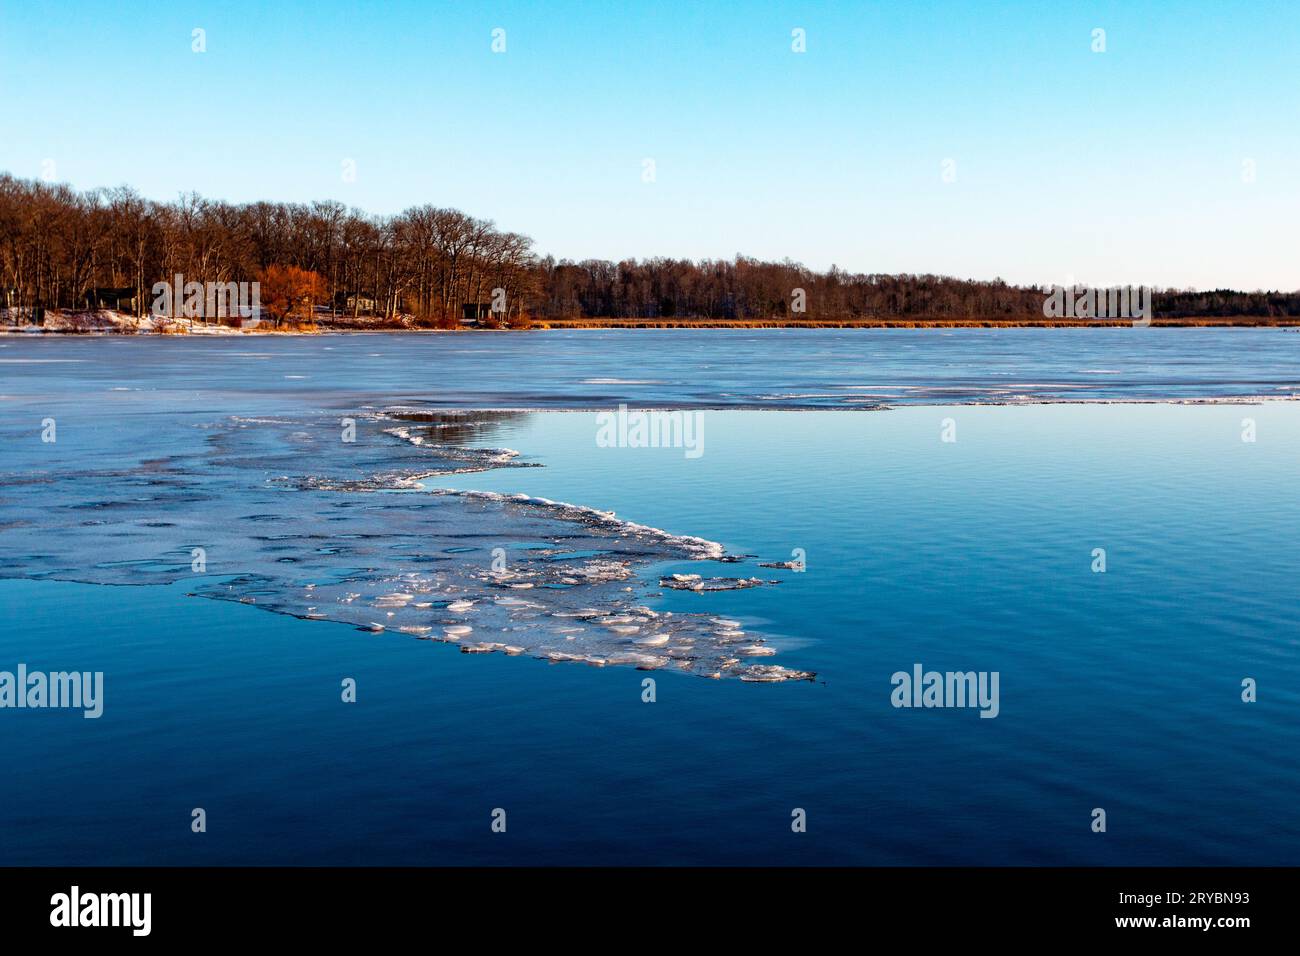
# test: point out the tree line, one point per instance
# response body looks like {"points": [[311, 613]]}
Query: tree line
{"points": [[64, 249], [428, 266]]}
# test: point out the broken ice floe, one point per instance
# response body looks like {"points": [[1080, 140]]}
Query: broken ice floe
{"points": [[290, 519], [605, 521], [694, 582]]}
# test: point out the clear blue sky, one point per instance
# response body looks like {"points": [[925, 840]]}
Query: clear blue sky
{"points": [[1116, 167]]}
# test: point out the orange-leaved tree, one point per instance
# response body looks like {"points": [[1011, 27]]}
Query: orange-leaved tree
{"points": [[290, 293]]}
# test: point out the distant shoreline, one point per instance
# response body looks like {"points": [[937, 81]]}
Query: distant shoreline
{"points": [[1244, 321], [101, 324]]}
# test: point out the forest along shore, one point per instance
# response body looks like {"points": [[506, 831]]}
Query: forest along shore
{"points": [[104, 259]]}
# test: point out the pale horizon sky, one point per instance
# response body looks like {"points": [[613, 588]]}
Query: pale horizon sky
{"points": [[1170, 159]]}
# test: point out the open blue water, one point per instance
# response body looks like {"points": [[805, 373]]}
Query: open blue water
{"points": [[1118, 690]]}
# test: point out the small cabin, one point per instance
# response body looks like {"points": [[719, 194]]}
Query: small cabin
{"points": [[475, 313], [358, 303], [110, 297]]}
